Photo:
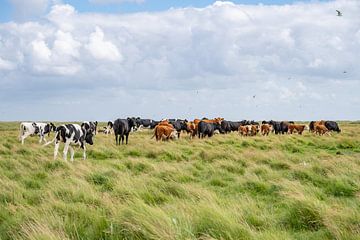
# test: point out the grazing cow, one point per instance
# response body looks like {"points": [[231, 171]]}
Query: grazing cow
{"points": [[164, 132], [296, 127], [207, 129], [90, 126], [41, 129], [313, 124], [109, 126], [265, 129], [71, 134], [123, 128], [332, 126], [321, 129]]}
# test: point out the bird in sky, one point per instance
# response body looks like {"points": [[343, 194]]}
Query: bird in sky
{"points": [[339, 14]]}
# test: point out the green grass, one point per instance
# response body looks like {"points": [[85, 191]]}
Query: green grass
{"points": [[226, 187]]}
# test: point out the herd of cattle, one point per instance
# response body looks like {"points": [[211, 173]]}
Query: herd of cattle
{"points": [[166, 129]]}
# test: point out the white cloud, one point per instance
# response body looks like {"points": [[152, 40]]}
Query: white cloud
{"points": [[102, 49], [6, 65], [206, 60]]}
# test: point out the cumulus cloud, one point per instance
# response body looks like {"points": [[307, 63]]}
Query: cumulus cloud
{"points": [[100, 48], [300, 60]]}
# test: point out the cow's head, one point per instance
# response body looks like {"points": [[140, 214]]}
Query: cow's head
{"points": [[89, 137], [132, 123]]}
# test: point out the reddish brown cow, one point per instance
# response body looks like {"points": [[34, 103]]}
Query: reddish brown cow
{"points": [[321, 129], [265, 129], [164, 132], [296, 127]]}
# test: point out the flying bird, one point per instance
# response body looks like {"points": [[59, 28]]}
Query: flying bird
{"points": [[345, 72], [254, 96], [339, 14]]}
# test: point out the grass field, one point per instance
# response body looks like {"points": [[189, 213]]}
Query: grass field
{"points": [[226, 187]]}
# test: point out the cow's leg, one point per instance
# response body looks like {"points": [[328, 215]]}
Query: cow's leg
{"points": [[84, 153], [24, 136], [41, 138], [127, 138], [66, 149], [56, 150], [122, 139], [71, 153], [116, 139]]}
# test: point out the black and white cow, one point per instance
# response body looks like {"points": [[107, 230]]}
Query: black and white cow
{"points": [[92, 126], [123, 128], [144, 123], [35, 128], [71, 134]]}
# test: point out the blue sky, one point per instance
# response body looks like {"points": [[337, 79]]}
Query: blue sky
{"points": [[7, 9], [76, 60]]}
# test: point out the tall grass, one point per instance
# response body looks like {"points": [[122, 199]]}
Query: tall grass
{"points": [[226, 187]]}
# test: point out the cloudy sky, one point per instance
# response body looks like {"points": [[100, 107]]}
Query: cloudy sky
{"points": [[103, 59]]}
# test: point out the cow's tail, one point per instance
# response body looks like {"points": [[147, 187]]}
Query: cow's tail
{"points": [[48, 143]]}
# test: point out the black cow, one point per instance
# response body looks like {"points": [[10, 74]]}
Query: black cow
{"points": [[123, 128], [179, 125], [207, 129], [230, 126], [276, 126], [332, 126], [71, 134]]}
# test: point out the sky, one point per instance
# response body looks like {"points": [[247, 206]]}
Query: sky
{"points": [[106, 59]]}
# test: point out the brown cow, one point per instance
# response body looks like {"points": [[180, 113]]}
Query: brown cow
{"points": [[265, 129], [313, 125], [164, 132], [321, 129], [191, 128], [296, 127], [244, 130]]}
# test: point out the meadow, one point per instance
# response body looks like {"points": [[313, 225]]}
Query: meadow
{"points": [[226, 187]]}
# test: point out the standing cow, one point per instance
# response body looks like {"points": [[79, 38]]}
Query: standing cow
{"points": [[122, 128], [71, 134], [35, 128]]}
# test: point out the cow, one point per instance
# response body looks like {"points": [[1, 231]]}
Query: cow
{"points": [[332, 126], [179, 125], [321, 129], [265, 129], [122, 128], [284, 126], [244, 130], [230, 126], [296, 127], [191, 128], [71, 134], [313, 124], [164, 132], [108, 128], [35, 128], [90, 126], [276, 126], [145, 123], [208, 128]]}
